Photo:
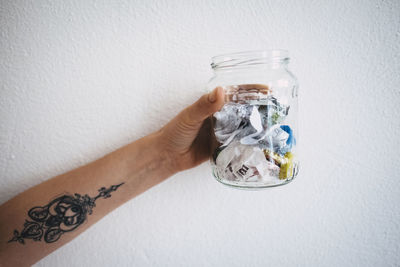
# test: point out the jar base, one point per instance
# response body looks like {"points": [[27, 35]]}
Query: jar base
{"points": [[254, 186]]}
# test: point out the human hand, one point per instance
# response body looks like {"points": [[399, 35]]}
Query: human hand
{"points": [[187, 139]]}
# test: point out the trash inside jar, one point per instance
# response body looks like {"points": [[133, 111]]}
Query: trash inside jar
{"points": [[256, 140]]}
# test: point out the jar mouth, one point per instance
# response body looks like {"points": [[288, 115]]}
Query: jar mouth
{"points": [[249, 58]]}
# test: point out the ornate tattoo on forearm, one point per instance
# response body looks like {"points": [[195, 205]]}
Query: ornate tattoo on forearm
{"points": [[61, 215]]}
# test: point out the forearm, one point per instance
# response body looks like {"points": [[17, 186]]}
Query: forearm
{"points": [[124, 174], [45, 217]]}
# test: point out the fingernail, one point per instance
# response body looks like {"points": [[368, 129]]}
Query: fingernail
{"points": [[212, 97]]}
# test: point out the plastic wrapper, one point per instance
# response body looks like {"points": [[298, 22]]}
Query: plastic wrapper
{"points": [[285, 163]]}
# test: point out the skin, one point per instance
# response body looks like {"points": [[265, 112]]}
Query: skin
{"points": [[183, 143]]}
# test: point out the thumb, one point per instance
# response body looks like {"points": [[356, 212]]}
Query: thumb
{"points": [[205, 106]]}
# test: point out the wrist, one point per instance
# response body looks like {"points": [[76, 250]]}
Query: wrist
{"points": [[145, 161], [164, 159]]}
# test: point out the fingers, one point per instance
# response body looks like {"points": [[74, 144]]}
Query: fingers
{"points": [[205, 106]]}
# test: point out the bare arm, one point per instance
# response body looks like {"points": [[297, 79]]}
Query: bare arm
{"points": [[47, 216]]}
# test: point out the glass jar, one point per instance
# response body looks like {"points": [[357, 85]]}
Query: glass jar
{"points": [[256, 129]]}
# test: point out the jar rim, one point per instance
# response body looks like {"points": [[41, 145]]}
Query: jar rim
{"points": [[251, 57]]}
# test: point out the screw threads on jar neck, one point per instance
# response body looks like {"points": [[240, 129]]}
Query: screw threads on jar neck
{"points": [[272, 58]]}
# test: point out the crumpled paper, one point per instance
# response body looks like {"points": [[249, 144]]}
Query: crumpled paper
{"points": [[278, 138], [233, 120], [272, 111], [236, 121], [239, 162]]}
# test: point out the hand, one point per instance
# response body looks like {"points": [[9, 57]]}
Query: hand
{"points": [[187, 139]]}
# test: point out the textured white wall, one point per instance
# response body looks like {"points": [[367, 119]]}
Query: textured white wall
{"points": [[81, 78]]}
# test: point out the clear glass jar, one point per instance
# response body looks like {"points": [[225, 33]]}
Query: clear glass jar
{"points": [[256, 129]]}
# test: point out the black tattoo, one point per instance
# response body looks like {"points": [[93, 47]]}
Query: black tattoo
{"points": [[63, 214]]}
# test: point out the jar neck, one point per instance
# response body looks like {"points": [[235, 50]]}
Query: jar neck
{"points": [[252, 68], [252, 60]]}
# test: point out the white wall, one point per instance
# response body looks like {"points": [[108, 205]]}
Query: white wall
{"points": [[81, 78]]}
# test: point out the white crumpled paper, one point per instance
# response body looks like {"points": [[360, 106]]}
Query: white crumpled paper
{"points": [[273, 138], [239, 162], [244, 130], [231, 120], [248, 123]]}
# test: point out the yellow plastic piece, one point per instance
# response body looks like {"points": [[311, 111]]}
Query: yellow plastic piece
{"points": [[286, 166]]}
